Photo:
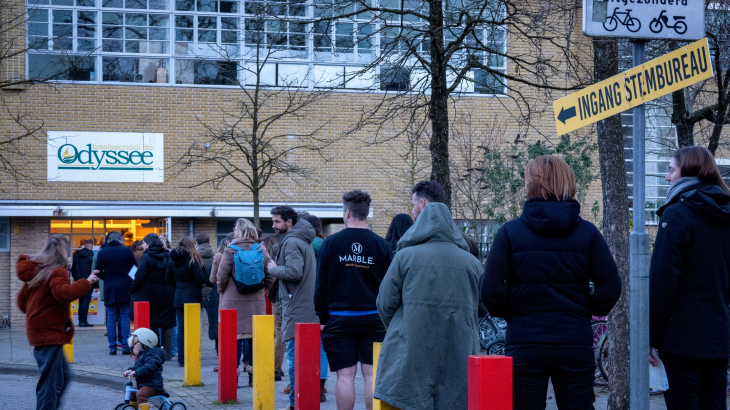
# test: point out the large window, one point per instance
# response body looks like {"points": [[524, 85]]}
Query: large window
{"points": [[4, 235], [78, 231], [214, 42]]}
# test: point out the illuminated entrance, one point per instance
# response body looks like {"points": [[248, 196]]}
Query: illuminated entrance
{"points": [[78, 231]]}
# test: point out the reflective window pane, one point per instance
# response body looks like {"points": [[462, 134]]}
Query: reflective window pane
{"points": [[138, 70], [61, 67]]}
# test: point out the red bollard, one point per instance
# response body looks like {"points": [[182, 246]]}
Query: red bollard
{"points": [[306, 366], [227, 327], [141, 315], [490, 383]]}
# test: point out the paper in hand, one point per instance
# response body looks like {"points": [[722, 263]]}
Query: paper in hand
{"points": [[658, 377], [133, 272]]}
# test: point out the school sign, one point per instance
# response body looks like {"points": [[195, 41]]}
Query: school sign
{"points": [[643, 83], [105, 156]]}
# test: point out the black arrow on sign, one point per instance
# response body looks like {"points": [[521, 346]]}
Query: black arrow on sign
{"points": [[566, 114]]}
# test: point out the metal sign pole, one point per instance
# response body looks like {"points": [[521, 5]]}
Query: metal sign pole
{"points": [[639, 259]]}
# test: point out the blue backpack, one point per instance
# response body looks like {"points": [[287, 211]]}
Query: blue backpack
{"points": [[249, 268]]}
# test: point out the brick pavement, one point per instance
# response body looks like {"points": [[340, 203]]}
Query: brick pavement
{"points": [[91, 358]]}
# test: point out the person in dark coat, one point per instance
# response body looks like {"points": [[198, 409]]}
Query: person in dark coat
{"points": [[211, 297], [398, 227], [538, 277], [149, 285], [688, 282], [113, 265], [81, 269], [185, 273]]}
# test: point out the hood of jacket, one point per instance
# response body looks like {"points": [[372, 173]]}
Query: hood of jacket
{"points": [[434, 224], [302, 230], [156, 252], [179, 255], [317, 245], [84, 253], [550, 217], [206, 251], [26, 268], [710, 202]]}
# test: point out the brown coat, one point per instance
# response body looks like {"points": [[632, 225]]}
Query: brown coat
{"points": [[47, 307], [248, 304], [214, 269]]}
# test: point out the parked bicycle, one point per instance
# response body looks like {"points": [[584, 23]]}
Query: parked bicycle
{"points": [[623, 18], [492, 329], [660, 22]]}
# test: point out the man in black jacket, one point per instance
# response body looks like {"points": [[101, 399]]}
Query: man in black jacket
{"points": [[81, 269], [113, 265]]}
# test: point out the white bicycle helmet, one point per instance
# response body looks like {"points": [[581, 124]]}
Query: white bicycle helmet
{"points": [[147, 337]]}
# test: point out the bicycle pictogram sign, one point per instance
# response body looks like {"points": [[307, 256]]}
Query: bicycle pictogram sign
{"points": [[631, 23]]}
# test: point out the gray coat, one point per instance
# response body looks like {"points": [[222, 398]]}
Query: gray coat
{"points": [[428, 303], [297, 273]]}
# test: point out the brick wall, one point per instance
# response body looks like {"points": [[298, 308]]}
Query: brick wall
{"points": [[32, 235]]}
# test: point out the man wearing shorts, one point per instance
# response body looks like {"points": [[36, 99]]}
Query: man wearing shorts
{"points": [[352, 263]]}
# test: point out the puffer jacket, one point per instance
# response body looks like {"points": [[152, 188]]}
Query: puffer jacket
{"points": [[297, 273], [428, 302], [47, 305], [689, 275], [149, 285], [539, 271], [148, 368], [187, 278]]}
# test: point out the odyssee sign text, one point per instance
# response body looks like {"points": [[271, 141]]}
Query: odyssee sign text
{"points": [[99, 156], [643, 83]]}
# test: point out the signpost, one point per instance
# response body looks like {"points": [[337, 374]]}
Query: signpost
{"points": [[639, 20]]}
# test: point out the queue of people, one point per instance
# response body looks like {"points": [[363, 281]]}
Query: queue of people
{"points": [[418, 292]]}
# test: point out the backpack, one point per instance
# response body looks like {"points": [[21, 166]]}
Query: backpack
{"points": [[249, 268]]}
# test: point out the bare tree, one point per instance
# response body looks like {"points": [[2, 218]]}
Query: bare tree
{"points": [[249, 143], [431, 52]]}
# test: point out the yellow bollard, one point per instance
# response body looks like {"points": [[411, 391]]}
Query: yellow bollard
{"points": [[263, 362], [377, 404], [192, 344], [68, 349]]}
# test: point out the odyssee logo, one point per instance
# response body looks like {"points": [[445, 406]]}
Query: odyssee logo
{"points": [[107, 157]]}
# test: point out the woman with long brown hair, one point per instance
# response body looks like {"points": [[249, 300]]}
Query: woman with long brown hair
{"points": [[45, 299], [185, 273], [538, 277], [688, 280]]}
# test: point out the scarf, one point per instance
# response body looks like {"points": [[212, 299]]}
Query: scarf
{"points": [[681, 186]]}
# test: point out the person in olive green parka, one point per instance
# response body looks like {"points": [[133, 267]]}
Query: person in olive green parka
{"points": [[428, 302]]}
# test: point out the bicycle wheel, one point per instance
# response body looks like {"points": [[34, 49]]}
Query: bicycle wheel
{"points": [[120, 406], [602, 357], [633, 24], [680, 27], [496, 348], [599, 328], [610, 24], [178, 406]]}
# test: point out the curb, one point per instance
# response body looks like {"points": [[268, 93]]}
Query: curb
{"points": [[78, 376]]}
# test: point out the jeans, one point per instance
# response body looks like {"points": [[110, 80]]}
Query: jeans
{"points": [[695, 384], [54, 376], [84, 302], [571, 370], [174, 340], [180, 334], [290, 360], [244, 350], [117, 313]]}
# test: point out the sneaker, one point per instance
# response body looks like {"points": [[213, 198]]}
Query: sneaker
{"points": [[278, 375], [287, 389], [180, 364], [126, 352], [322, 391], [113, 351], [215, 369]]}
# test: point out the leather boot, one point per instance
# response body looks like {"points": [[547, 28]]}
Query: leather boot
{"points": [[322, 390]]}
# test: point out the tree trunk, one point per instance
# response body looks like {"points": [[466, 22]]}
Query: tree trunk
{"points": [[256, 208], [681, 119], [439, 108], [615, 228]]}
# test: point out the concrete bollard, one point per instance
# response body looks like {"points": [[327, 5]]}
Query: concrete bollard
{"points": [[141, 315], [68, 349], [192, 344], [227, 328], [263, 362], [306, 366], [490, 383], [377, 404]]}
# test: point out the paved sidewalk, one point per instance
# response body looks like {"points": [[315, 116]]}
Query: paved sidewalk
{"points": [[93, 365]]}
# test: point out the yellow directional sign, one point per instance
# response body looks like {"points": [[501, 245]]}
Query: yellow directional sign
{"points": [[643, 83]]}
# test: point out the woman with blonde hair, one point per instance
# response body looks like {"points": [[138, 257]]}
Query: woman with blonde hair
{"points": [[538, 277], [45, 298], [689, 285], [185, 273], [247, 304]]}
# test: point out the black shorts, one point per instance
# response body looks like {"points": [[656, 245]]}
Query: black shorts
{"points": [[349, 339]]}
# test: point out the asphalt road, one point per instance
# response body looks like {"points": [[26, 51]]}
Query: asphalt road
{"points": [[18, 392]]}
